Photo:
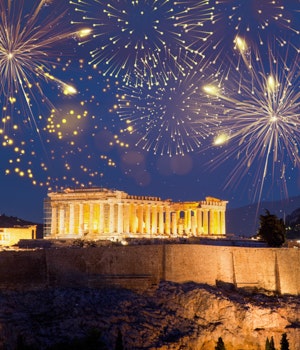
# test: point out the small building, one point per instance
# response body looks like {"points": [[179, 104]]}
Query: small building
{"points": [[11, 235], [100, 213]]}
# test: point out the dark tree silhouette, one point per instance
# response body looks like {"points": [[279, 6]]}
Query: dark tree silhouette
{"points": [[272, 345], [284, 344], [272, 230], [119, 341], [220, 344]]}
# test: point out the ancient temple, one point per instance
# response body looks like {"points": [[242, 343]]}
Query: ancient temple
{"points": [[99, 213]]}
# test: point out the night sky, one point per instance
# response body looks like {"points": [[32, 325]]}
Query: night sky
{"points": [[176, 99]]}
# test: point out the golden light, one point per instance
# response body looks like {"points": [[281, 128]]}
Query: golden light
{"points": [[273, 118], [69, 90], [271, 84], [84, 32], [221, 139], [240, 44], [211, 89]]}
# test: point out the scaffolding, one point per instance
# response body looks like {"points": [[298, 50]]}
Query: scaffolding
{"points": [[47, 217]]}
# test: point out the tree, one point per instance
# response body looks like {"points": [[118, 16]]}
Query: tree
{"points": [[220, 344], [272, 345], [272, 230], [119, 341], [284, 344]]}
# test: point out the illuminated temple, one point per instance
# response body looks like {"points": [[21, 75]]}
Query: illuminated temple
{"points": [[99, 213]]}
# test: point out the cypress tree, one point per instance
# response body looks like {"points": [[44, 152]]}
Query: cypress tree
{"points": [[119, 341], [267, 346], [272, 345], [220, 344], [284, 344]]}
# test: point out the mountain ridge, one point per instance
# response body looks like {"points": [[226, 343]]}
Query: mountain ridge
{"points": [[244, 221]]}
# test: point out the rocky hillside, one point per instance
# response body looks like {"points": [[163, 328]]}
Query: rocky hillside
{"points": [[173, 316]]}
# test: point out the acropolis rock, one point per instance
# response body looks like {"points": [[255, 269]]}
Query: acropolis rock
{"points": [[171, 316]]}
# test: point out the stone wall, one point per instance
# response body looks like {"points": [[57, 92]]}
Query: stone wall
{"points": [[138, 267]]}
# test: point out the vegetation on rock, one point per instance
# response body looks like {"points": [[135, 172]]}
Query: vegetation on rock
{"points": [[220, 344], [272, 230], [284, 344]]}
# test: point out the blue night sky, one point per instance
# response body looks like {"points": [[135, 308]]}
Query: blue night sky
{"points": [[176, 99]]}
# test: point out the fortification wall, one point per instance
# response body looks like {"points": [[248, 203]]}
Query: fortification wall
{"points": [[139, 267]]}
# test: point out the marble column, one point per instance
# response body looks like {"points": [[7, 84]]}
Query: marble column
{"points": [[199, 222], [80, 221], [140, 219], [211, 222], [217, 223], [120, 218], [126, 214], [61, 230], [223, 223], [174, 223], [111, 218], [71, 219], [193, 224], [205, 221], [147, 220], [91, 218], [189, 221], [101, 218], [161, 221], [154, 220], [133, 223], [168, 221]]}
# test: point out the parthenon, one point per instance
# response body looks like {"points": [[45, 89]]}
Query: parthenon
{"points": [[100, 213]]}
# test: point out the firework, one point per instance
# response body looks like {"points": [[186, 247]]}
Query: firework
{"points": [[144, 37], [164, 118], [30, 41], [263, 20], [259, 111]]}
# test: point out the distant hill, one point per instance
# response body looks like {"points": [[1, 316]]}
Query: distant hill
{"points": [[244, 221], [11, 221]]}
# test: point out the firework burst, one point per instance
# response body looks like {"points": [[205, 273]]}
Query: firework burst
{"points": [[264, 20], [145, 36], [164, 117], [259, 110], [30, 42]]}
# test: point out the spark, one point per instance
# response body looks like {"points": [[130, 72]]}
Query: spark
{"points": [[76, 151]]}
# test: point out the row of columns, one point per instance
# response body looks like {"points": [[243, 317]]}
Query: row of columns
{"points": [[96, 218]]}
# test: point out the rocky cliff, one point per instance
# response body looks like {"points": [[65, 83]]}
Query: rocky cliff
{"points": [[171, 316]]}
